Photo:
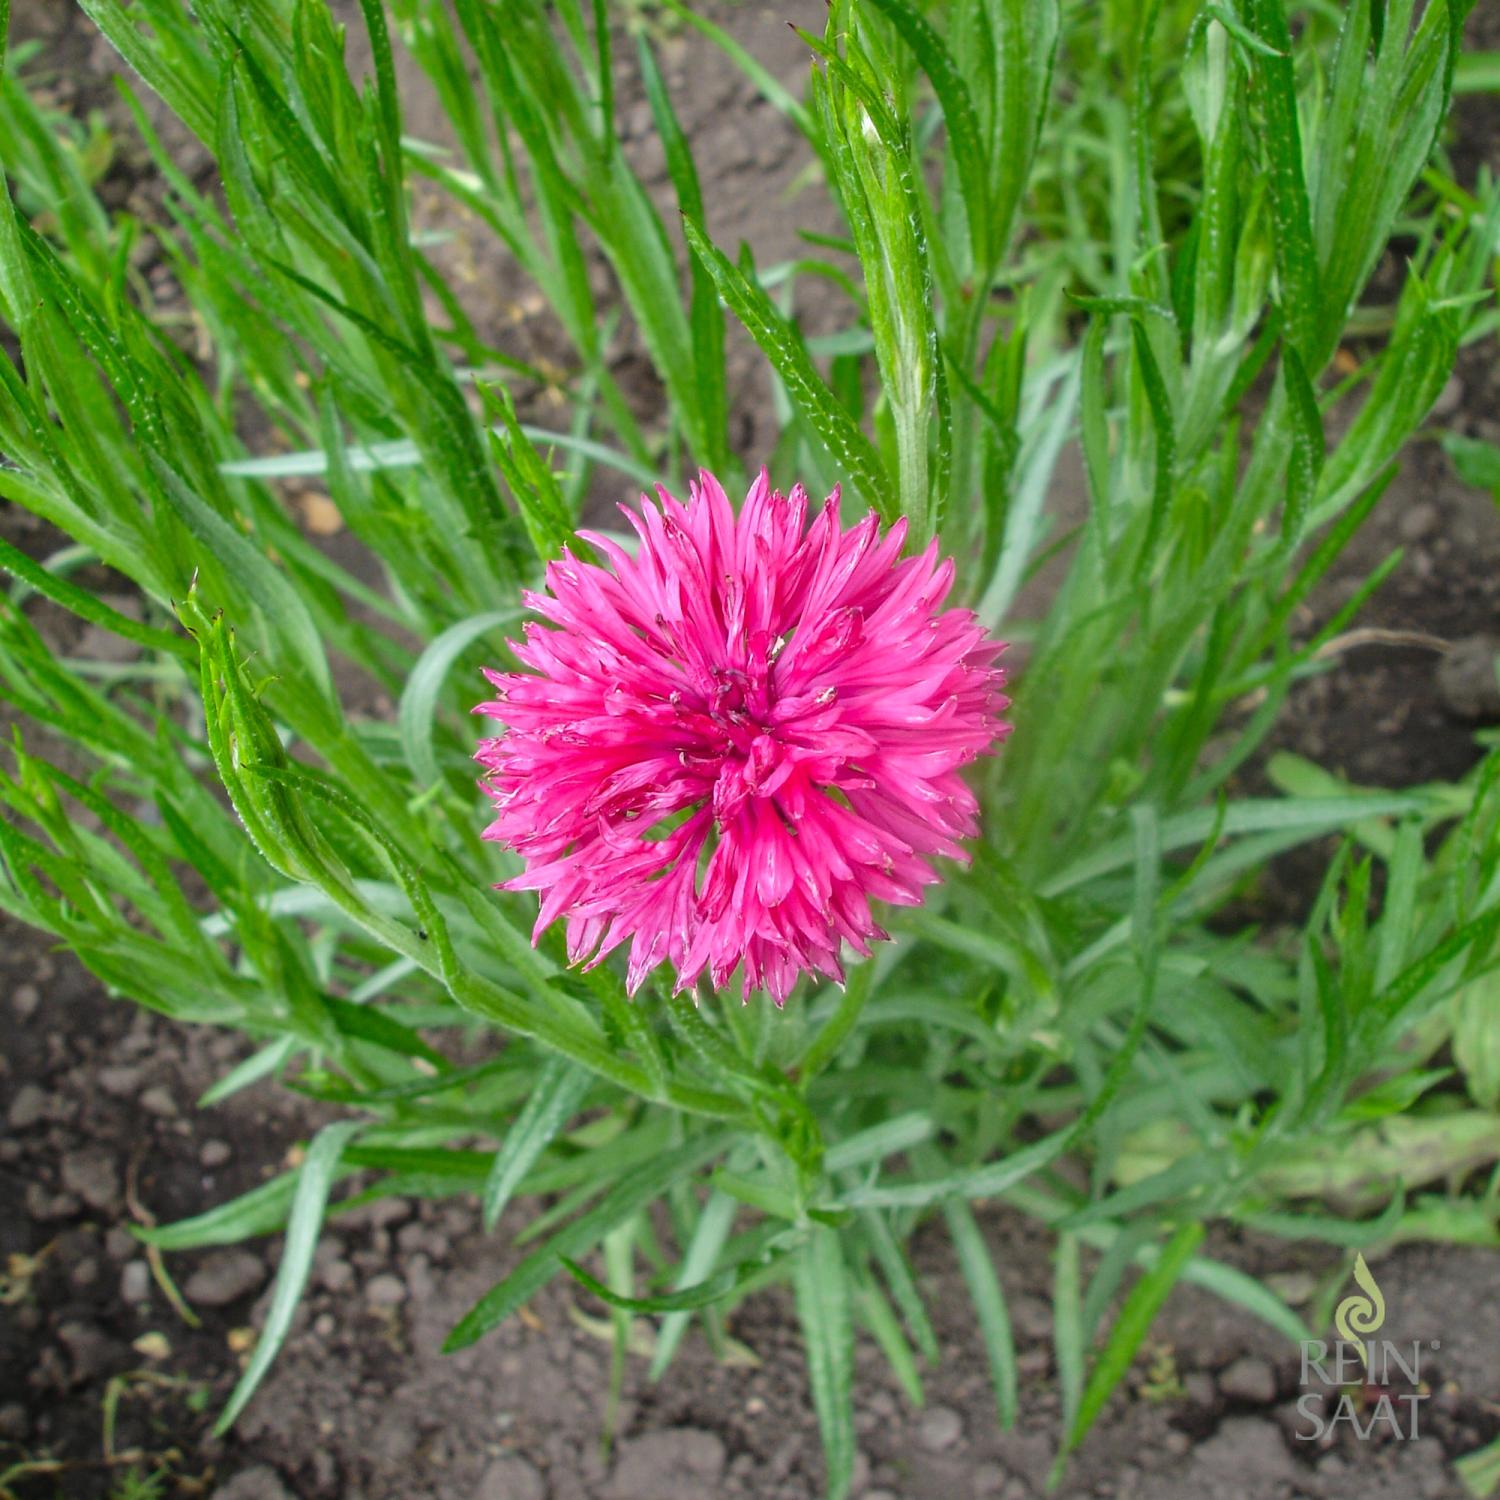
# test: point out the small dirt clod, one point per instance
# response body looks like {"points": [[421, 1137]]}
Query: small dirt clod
{"points": [[92, 1174], [224, 1277], [1249, 1379], [1467, 679], [260, 1483], [511, 1478]]}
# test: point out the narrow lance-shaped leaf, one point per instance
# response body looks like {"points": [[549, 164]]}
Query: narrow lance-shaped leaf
{"points": [[822, 1285], [850, 449], [313, 1182]]}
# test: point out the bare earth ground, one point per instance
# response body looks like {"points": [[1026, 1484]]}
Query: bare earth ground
{"points": [[99, 1374]]}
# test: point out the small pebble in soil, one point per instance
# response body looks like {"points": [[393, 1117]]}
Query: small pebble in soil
{"points": [[680, 1463], [28, 1108], [135, 1282], [989, 1479], [385, 1290], [215, 1153], [47, 1207], [93, 1175], [1418, 521], [336, 1275], [24, 1000], [1246, 1445], [224, 1277], [89, 1349], [260, 1483], [1031, 1318], [1249, 1379], [940, 1428], [159, 1101], [859, 1473], [511, 1477], [1467, 682], [381, 1214], [419, 1279], [121, 1081]]}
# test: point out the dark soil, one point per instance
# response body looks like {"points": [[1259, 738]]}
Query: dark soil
{"points": [[102, 1377]]}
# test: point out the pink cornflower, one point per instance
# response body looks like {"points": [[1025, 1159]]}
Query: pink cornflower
{"points": [[734, 740]]}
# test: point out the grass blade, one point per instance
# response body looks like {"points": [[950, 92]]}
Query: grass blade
{"points": [[1140, 1309], [314, 1179], [560, 1088], [629, 1195], [823, 1309], [417, 715], [988, 1297], [849, 448]]}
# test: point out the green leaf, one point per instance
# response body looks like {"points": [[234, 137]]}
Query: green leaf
{"points": [[878, 1141], [370, 1024], [1477, 462], [896, 1270], [554, 1100], [314, 1178], [958, 116], [1476, 1037], [1164, 428], [262, 1210], [1234, 1285], [849, 448], [1296, 262], [1068, 1326], [685, 1299], [1477, 73], [630, 1194], [1479, 1471], [1332, 1230], [706, 316], [1136, 1316], [416, 716], [1308, 816], [988, 1297], [533, 486], [281, 606], [89, 607], [1307, 446], [873, 1311], [255, 1067], [402, 453], [821, 1280]]}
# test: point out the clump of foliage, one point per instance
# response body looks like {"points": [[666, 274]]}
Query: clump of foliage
{"points": [[1148, 236]]}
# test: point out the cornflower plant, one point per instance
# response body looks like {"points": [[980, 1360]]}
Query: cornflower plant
{"points": [[1147, 239]]}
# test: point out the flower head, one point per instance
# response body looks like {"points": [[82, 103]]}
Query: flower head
{"points": [[729, 743]]}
